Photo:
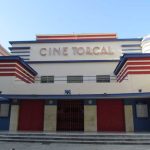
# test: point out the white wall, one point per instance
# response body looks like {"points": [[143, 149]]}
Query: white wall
{"points": [[13, 86], [132, 85], [7, 84], [141, 81], [115, 47], [64, 69], [76, 88]]}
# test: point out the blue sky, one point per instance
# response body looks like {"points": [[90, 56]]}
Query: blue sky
{"points": [[23, 19]]}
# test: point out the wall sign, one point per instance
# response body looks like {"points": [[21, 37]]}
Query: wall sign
{"points": [[75, 51], [65, 51]]}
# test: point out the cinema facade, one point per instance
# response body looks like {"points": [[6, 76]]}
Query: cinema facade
{"points": [[84, 82]]}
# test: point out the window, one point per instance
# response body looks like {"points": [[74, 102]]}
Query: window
{"points": [[74, 79], [47, 79], [4, 110], [142, 110], [103, 78]]}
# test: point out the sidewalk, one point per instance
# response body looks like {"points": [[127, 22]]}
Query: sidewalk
{"points": [[39, 146]]}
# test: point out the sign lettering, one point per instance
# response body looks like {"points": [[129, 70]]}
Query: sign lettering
{"points": [[76, 51]]}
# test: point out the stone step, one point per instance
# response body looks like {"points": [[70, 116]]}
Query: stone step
{"points": [[84, 138], [78, 134], [74, 138], [78, 141]]}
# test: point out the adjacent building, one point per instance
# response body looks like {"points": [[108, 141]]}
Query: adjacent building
{"points": [[3, 51]]}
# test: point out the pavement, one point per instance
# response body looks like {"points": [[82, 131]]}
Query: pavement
{"points": [[53, 146]]}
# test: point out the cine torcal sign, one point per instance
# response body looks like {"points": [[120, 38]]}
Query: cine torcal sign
{"points": [[76, 51]]}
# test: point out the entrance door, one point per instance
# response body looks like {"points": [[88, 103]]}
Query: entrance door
{"points": [[70, 115], [141, 109], [110, 115], [31, 115]]}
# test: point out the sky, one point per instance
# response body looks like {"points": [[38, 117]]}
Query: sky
{"points": [[23, 19]]}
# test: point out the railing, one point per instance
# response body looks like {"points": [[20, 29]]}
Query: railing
{"points": [[85, 79], [63, 79]]}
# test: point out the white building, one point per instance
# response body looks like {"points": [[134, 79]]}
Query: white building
{"points": [[84, 82]]}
